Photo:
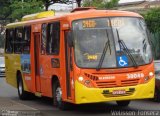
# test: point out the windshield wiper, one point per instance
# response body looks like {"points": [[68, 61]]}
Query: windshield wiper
{"points": [[107, 45], [123, 45]]}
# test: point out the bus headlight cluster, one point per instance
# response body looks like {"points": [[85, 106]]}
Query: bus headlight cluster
{"points": [[87, 83], [150, 75]]}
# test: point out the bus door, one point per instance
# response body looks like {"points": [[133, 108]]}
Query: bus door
{"points": [[69, 69], [37, 61]]}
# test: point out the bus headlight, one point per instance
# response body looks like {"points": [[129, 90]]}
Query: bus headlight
{"points": [[81, 78], [151, 74]]}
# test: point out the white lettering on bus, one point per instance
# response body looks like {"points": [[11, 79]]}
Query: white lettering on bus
{"points": [[107, 77], [135, 76], [27, 78]]}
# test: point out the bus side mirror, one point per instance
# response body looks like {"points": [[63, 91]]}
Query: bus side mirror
{"points": [[70, 39]]}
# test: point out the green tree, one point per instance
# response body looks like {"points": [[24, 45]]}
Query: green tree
{"points": [[4, 8], [20, 8], [4, 18], [152, 18], [15, 9], [102, 4]]}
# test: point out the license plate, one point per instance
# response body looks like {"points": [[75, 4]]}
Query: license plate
{"points": [[118, 92]]}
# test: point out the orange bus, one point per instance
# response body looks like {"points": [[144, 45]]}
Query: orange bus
{"points": [[86, 56]]}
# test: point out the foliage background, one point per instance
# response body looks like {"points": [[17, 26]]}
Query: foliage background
{"points": [[101, 4], [152, 18]]}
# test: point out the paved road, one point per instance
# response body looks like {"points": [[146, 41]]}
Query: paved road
{"points": [[43, 106]]}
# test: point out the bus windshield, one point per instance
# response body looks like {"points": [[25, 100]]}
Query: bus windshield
{"points": [[126, 39]]}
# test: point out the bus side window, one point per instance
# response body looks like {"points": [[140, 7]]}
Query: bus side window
{"points": [[9, 40], [18, 40], [44, 37], [26, 40], [53, 38]]}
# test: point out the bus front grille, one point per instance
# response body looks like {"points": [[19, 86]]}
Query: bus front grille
{"points": [[106, 84], [132, 82], [111, 84]]}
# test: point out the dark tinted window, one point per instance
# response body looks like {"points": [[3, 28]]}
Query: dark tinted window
{"points": [[53, 38], [9, 40], [44, 37]]}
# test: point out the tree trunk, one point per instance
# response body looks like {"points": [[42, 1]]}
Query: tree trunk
{"points": [[46, 5], [79, 3]]}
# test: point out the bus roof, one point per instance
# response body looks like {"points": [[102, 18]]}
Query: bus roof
{"points": [[91, 13]]}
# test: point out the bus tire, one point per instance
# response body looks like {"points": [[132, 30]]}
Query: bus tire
{"points": [[157, 95], [123, 103], [23, 95], [57, 97]]}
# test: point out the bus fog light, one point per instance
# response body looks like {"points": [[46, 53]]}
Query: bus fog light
{"points": [[146, 78], [87, 82], [151, 74], [80, 78]]}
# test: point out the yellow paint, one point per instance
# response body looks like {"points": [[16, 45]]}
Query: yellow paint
{"points": [[93, 95], [13, 64], [38, 94], [38, 15], [13, 25]]}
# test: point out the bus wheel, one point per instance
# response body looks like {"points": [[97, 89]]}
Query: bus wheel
{"points": [[123, 103], [23, 95], [157, 95], [57, 97]]}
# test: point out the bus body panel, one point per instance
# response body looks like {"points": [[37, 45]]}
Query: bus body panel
{"points": [[13, 65]]}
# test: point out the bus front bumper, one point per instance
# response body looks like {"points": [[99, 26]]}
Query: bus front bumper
{"points": [[95, 95]]}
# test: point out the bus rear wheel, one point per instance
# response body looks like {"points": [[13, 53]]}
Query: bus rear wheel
{"points": [[123, 103], [57, 97], [23, 95]]}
